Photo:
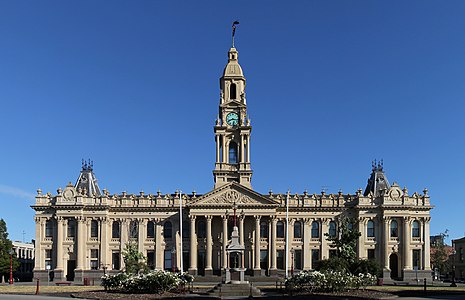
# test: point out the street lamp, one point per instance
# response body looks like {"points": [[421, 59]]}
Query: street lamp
{"points": [[173, 259], [11, 266], [453, 284]]}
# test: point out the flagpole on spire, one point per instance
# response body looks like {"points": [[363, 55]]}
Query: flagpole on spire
{"points": [[234, 31]]}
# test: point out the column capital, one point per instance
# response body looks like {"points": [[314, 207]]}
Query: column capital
{"points": [[192, 217], [208, 217], [386, 219], [257, 218]]}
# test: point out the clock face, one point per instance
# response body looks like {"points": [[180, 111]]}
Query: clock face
{"points": [[232, 119]]}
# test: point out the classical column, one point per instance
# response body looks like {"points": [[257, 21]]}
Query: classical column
{"points": [[217, 139], [225, 241], [142, 223], [386, 242], [104, 243], [248, 148], [361, 239], [257, 244], [242, 148], [223, 159], [273, 243], [241, 229], [38, 261], [426, 243], [406, 243], [324, 242], [193, 247], [124, 238], [208, 266], [81, 243], [306, 245], [159, 254], [59, 249]]}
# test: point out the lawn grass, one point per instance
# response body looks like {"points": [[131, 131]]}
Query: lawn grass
{"points": [[46, 289]]}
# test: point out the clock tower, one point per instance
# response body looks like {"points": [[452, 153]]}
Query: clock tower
{"points": [[232, 128]]}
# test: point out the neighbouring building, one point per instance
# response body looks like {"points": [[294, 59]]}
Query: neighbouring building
{"points": [[25, 254], [82, 230], [458, 258]]}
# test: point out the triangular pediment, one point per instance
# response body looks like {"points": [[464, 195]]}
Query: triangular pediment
{"points": [[233, 193]]}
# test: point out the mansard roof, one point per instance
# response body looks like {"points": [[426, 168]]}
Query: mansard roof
{"points": [[87, 182], [377, 181]]}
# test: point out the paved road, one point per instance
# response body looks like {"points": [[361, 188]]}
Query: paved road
{"points": [[30, 297]]}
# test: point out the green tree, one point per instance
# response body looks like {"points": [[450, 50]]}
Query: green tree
{"points": [[134, 260], [5, 247], [345, 240], [439, 253]]}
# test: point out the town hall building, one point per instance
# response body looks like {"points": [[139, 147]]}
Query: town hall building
{"points": [[82, 231]]}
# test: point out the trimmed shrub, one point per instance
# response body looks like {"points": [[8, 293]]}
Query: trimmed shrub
{"points": [[152, 282], [328, 281]]}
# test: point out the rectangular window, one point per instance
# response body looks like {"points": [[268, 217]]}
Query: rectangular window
{"points": [[71, 228], [49, 229], [94, 259], [264, 259], [280, 259], [298, 259], [167, 260], [416, 259], [48, 259], [94, 229], [371, 253], [151, 259], [115, 260], [315, 257]]}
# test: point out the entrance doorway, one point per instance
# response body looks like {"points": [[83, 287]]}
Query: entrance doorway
{"points": [[394, 266], [70, 270]]}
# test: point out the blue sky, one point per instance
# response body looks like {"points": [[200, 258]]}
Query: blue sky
{"points": [[133, 85]]}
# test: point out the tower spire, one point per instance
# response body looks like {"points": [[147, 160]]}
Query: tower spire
{"points": [[234, 31]]}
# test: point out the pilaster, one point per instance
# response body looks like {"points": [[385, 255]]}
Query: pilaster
{"points": [[306, 244]]}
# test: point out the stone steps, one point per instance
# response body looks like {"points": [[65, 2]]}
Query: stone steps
{"points": [[234, 289]]}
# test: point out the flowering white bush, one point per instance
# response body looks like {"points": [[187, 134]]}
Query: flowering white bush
{"points": [[152, 282], [329, 281]]}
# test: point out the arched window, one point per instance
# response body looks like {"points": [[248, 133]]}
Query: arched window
{"points": [[94, 228], [232, 91], [297, 230], [167, 230], [370, 228], [332, 229], [150, 229], [133, 230], [315, 230], [115, 230], [280, 229], [49, 228], [232, 153], [264, 229], [201, 229], [394, 229], [415, 229]]}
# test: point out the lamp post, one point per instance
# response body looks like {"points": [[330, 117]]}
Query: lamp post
{"points": [[453, 284], [292, 262], [11, 266]]}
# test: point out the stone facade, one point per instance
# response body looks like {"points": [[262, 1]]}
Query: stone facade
{"points": [[25, 254], [82, 231]]}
